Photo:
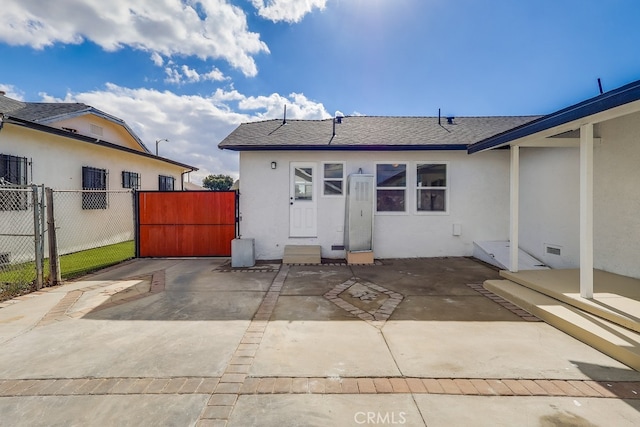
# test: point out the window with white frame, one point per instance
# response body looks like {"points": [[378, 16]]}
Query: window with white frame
{"points": [[391, 187], [431, 187], [94, 179], [333, 179], [130, 180]]}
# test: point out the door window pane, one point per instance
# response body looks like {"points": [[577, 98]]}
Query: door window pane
{"points": [[303, 184]]}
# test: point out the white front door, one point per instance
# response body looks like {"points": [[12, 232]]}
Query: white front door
{"points": [[302, 200]]}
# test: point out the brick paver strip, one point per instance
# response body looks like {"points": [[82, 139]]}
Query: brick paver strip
{"points": [[602, 387], [222, 400], [449, 386], [123, 386], [483, 387], [517, 387], [237, 369], [399, 385], [584, 388], [550, 388], [266, 385], [316, 385], [190, 386], [37, 389], [72, 387], [250, 386], [53, 388], [500, 388], [350, 385], [228, 388], [625, 390], [207, 386], [466, 386], [157, 385], [282, 385], [174, 385], [567, 388], [140, 385], [6, 387], [533, 388], [433, 386], [22, 387], [365, 385], [416, 385], [383, 385], [332, 386], [301, 385]]}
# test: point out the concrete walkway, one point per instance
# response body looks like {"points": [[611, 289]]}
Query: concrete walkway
{"points": [[194, 342]]}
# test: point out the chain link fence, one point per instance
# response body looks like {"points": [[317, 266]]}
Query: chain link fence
{"points": [[94, 229], [21, 239], [85, 230]]}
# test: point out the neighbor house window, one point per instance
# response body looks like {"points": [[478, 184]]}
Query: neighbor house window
{"points": [[333, 179], [391, 187], [431, 187], [13, 171], [166, 183], [94, 179], [130, 180]]}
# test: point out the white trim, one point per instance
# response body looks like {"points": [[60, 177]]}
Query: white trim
{"points": [[343, 179], [514, 213], [586, 210], [446, 188], [407, 197]]}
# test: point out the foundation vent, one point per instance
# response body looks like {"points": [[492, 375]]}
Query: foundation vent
{"points": [[553, 250]]}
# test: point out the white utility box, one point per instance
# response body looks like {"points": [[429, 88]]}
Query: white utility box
{"points": [[243, 253]]}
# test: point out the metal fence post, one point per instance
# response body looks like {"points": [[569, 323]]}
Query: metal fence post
{"points": [[54, 259], [37, 234]]}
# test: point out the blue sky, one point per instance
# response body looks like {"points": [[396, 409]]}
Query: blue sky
{"points": [[191, 71]]}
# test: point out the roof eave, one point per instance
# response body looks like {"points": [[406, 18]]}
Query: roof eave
{"points": [[607, 101], [59, 132], [430, 147]]}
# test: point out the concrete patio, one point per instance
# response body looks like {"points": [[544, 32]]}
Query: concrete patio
{"points": [[195, 342]]}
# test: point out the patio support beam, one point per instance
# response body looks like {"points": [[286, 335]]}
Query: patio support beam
{"points": [[514, 198], [586, 210]]}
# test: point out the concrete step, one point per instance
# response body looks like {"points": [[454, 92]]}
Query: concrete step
{"points": [[610, 338], [302, 254], [615, 297]]}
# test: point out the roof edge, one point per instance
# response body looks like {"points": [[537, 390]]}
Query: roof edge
{"points": [[606, 101]]}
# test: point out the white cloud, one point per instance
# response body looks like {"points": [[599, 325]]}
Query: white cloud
{"points": [[193, 124], [287, 10], [184, 74], [12, 92], [157, 59], [207, 29]]}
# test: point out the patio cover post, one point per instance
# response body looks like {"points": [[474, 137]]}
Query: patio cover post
{"points": [[586, 210], [514, 198]]}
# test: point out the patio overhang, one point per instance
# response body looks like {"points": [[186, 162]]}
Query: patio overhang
{"points": [[575, 126]]}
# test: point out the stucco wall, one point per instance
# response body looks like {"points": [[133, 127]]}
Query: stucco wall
{"points": [[549, 204], [478, 201]]}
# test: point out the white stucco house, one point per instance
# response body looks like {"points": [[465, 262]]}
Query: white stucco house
{"points": [[73, 147], [431, 198], [563, 187]]}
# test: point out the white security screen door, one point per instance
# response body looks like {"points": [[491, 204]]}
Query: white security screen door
{"points": [[302, 201]]}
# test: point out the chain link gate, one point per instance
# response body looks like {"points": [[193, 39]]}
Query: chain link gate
{"points": [[21, 238]]}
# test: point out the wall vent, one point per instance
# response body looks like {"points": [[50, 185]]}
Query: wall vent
{"points": [[96, 130], [553, 250]]}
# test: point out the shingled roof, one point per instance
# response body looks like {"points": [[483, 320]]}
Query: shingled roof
{"points": [[369, 132]]}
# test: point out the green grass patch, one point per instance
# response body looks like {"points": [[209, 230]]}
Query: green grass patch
{"points": [[19, 279]]}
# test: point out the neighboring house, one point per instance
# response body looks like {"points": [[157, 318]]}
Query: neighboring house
{"points": [[72, 146], [432, 198]]}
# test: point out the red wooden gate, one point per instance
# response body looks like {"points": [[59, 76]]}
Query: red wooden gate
{"points": [[185, 223]]}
